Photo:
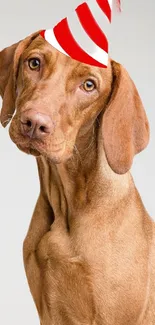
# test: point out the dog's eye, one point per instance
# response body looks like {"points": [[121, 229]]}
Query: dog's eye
{"points": [[89, 85], [34, 64]]}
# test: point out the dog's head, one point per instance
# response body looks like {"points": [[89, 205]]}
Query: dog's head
{"points": [[57, 99]]}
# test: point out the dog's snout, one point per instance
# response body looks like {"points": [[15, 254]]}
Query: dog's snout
{"points": [[35, 125]]}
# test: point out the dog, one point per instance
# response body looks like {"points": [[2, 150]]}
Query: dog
{"points": [[89, 253]]}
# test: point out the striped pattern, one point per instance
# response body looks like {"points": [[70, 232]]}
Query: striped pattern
{"points": [[80, 36]]}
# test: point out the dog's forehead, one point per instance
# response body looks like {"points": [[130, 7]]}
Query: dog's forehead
{"points": [[39, 45], [52, 55]]}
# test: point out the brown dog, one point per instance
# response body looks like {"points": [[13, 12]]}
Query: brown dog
{"points": [[89, 253]]}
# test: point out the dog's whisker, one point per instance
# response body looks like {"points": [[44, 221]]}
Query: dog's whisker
{"points": [[89, 146], [78, 153], [97, 119], [91, 143]]}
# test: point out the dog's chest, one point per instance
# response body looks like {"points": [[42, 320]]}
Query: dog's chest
{"points": [[92, 278], [90, 273]]}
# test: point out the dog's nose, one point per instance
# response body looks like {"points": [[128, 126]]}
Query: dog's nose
{"points": [[35, 125]]}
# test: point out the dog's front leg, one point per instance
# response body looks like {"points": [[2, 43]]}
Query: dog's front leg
{"points": [[40, 224]]}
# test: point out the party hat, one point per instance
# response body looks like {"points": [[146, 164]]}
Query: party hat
{"points": [[80, 35]]}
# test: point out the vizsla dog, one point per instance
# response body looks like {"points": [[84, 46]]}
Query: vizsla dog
{"points": [[89, 253]]}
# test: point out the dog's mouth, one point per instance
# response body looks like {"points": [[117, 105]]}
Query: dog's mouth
{"points": [[28, 149], [56, 148], [54, 151]]}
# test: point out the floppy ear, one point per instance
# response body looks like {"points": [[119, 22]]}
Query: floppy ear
{"points": [[9, 59], [125, 127], [6, 83]]}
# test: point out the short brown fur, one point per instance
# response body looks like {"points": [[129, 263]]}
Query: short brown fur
{"points": [[89, 253]]}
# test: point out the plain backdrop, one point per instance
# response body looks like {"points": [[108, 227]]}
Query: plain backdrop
{"points": [[133, 45]]}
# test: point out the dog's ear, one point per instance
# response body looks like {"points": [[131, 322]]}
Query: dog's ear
{"points": [[9, 61], [125, 127]]}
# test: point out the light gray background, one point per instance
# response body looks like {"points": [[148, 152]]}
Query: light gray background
{"points": [[132, 44]]}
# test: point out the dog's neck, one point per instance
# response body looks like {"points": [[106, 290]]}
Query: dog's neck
{"points": [[86, 181]]}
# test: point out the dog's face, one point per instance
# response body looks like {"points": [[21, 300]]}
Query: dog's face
{"points": [[56, 101]]}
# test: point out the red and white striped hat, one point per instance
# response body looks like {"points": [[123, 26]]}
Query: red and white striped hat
{"points": [[80, 35]]}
